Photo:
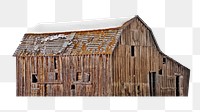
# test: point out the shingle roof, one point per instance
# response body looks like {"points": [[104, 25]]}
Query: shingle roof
{"points": [[69, 43], [72, 38]]}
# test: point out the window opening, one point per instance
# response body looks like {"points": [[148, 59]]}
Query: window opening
{"points": [[160, 71], [56, 76], [132, 50], [164, 60], [34, 78], [55, 62], [73, 86]]}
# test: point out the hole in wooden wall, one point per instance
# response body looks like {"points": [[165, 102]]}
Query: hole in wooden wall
{"points": [[132, 50], [164, 60], [138, 90], [160, 71], [55, 62], [34, 78], [56, 76], [45, 89], [73, 86]]}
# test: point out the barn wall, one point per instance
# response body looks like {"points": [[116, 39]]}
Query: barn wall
{"points": [[43, 67], [98, 68], [66, 68], [131, 73]]}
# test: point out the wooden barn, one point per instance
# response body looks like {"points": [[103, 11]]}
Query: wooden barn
{"points": [[113, 57]]}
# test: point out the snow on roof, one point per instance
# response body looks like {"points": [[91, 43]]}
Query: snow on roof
{"points": [[79, 25]]}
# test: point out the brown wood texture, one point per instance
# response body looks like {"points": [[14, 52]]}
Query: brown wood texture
{"points": [[105, 74], [133, 71]]}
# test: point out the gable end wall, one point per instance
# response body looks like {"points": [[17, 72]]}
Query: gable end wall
{"points": [[131, 73]]}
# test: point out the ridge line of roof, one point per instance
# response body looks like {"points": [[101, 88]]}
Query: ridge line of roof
{"points": [[84, 25], [48, 33]]}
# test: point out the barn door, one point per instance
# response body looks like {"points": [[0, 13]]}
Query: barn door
{"points": [[179, 85], [152, 83]]}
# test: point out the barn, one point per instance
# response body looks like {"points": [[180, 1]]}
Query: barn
{"points": [[113, 57]]}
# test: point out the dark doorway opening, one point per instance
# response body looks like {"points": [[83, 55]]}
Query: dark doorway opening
{"points": [[177, 85], [152, 83], [45, 90]]}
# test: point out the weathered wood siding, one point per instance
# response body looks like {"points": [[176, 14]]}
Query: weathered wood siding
{"points": [[97, 66], [67, 67], [131, 73], [102, 73]]}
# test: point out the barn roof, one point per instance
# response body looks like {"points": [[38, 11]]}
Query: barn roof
{"points": [[75, 38], [72, 38], [69, 43]]}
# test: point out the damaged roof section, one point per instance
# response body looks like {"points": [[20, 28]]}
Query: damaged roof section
{"points": [[34, 44], [70, 43]]}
